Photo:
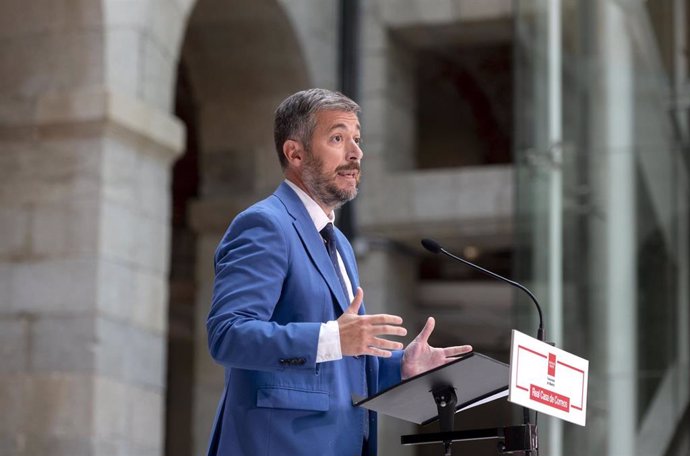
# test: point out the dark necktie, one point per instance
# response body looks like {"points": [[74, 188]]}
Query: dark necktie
{"points": [[328, 235]]}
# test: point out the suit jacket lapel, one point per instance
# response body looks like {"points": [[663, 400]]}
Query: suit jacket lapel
{"points": [[312, 241]]}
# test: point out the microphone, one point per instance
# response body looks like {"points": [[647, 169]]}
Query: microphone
{"points": [[434, 247]]}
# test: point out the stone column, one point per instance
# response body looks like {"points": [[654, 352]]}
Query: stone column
{"points": [[86, 144], [209, 221], [84, 210]]}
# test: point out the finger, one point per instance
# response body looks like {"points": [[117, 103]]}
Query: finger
{"points": [[423, 336], [383, 319], [354, 306], [373, 351], [457, 350], [380, 330], [386, 344]]}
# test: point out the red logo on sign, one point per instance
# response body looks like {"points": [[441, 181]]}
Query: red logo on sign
{"points": [[552, 365]]}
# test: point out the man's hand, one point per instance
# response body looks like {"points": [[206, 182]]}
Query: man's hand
{"points": [[359, 333], [420, 357]]}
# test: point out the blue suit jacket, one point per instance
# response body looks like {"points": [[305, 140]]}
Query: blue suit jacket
{"points": [[274, 286]]}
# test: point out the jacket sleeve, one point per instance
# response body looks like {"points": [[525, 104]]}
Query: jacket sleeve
{"points": [[390, 371], [251, 264]]}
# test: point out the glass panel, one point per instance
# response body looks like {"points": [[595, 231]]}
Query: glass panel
{"points": [[623, 202]]}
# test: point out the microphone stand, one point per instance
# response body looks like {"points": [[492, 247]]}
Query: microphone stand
{"points": [[435, 247]]}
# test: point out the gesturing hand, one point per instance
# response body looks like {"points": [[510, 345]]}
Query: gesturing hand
{"points": [[359, 333], [420, 357]]}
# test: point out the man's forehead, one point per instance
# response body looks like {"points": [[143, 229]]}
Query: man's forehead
{"points": [[332, 119]]}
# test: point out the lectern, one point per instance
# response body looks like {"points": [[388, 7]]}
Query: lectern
{"points": [[543, 378], [465, 382]]}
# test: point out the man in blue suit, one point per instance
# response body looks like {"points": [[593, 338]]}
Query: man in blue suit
{"points": [[287, 320]]}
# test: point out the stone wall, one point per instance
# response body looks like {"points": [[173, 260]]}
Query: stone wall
{"points": [[86, 144], [87, 141]]}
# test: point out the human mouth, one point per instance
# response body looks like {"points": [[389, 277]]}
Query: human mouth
{"points": [[349, 173], [350, 176]]}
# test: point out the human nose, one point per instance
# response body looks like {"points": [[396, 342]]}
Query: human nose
{"points": [[355, 152]]}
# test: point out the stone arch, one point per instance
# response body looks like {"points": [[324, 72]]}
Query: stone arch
{"points": [[242, 58], [142, 44], [238, 60]]}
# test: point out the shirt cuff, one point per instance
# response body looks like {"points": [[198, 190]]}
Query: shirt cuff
{"points": [[329, 343]]}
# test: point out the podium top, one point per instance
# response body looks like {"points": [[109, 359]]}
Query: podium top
{"points": [[477, 379]]}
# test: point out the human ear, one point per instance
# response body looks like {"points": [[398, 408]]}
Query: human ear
{"points": [[293, 152]]}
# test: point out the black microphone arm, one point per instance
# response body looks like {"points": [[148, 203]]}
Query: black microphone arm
{"points": [[434, 247]]}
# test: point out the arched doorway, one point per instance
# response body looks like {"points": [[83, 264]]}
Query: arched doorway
{"points": [[239, 58]]}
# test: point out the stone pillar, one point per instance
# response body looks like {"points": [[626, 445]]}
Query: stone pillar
{"points": [[84, 210], [208, 376], [209, 221], [86, 145]]}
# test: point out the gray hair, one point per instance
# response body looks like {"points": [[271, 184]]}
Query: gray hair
{"points": [[295, 118]]}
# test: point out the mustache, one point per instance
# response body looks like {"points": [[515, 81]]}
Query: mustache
{"points": [[349, 167]]}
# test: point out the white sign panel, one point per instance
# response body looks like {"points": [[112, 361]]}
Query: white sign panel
{"points": [[548, 379]]}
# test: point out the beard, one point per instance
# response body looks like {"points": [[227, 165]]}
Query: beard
{"points": [[324, 188]]}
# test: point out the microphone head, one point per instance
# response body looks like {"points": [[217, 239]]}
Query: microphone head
{"points": [[431, 245]]}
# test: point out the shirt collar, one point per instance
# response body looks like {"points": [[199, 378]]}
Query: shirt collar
{"points": [[318, 216]]}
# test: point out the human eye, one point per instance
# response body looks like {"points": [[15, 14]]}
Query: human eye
{"points": [[337, 138], [358, 140]]}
